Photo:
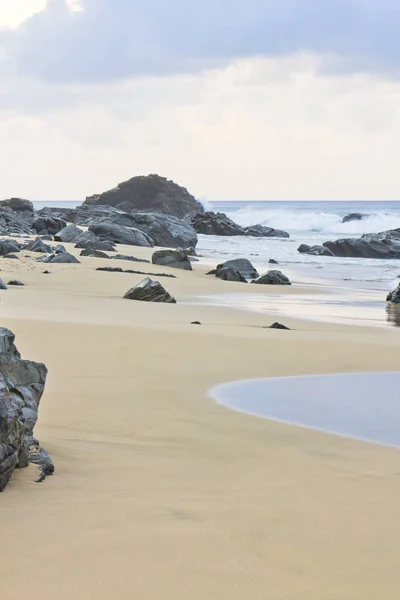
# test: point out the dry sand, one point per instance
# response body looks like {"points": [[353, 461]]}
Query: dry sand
{"points": [[161, 494]]}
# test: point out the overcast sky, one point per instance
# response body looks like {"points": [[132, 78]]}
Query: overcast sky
{"points": [[235, 99]]}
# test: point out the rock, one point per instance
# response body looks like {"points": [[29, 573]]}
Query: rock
{"points": [[46, 273], [15, 223], [17, 205], [130, 258], [94, 253], [273, 278], [15, 282], [2, 285], [48, 225], [119, 270], [354, 217], [272, 261], [229, 274], [58, 257], [122, 235], [262, 231], [110, 269], [151, 193], [314, 250], [95, 215], [211, 223], [149, 291], [38, 246], [68, 234], [165, 230], [13, 256], [367, 247], [66, 214], [278, 326], [394, 296], [46, 238], [7, 246], [195, 323], [243, 265], [172, 258], [22, 384], [88, 239]]}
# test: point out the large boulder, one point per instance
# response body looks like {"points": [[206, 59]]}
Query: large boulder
{"points": [[18, 205], [394, 296], [118, 234], [172, 258], [314, 250], [66, 214], [273, 278], [242, 265], [7, 246], [22, 384], [211, 223], [262, 231], [372, 246], [48, 225], [88, 214], [68, 234], [149, 291], [87, 239], [230, 274], [13, 222], [151, 193]]}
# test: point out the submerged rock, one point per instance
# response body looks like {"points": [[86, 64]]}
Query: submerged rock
{"points": [[172, 258], [22, 384], [211, 223], [149, 291], [354, 217], [262, 231], [314, 250], [273, 278]]}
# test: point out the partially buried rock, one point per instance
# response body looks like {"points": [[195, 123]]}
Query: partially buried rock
{"points": [[149, 291], [12, 256], [58, 257], [394, 296], [278, 326], [130, 258], [242, 265], [7, 246], [15, 282], [273, 278], [229, 274], [195, 323], [2, 285], [90, 252], [172, 258], [38, 245]]}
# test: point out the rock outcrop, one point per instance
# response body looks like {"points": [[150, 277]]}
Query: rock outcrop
{"points": [[366, 247], [118, 234], [18, 205], [149, 291], [69, 234], [176, 259], [211, 223], [273, 278], [48, 225], [14, 222], [314, 250], [22, 384], [165, 230], [151, 193], [262, 231]]}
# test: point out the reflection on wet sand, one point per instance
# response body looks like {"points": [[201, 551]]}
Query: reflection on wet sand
{"points": [[393, 314]]}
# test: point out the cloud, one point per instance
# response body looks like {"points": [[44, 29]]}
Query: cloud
{"points": [[120, 39]]}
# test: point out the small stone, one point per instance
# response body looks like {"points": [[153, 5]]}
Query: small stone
{"points": [[15, 282], [277, 326], [195, 323]]}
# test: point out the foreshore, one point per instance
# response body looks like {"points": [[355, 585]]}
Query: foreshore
{"points": [[158, 491]]}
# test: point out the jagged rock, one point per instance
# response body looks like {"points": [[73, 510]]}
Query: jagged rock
{"points": [[149, 291], [58, 257], [38, 246], [66, 214], [2, 285], [46, 238], [87, 239], [243, 265], [48, 225], [13, 222], [130, 258], [172, 258], [211, 223], [273, 278], [229, 274], [95, 215], [191, 251], [7, 246], [354, 217], [122, 235], [394, 296], [15, 282], [68, 234], [22, 384], [278, 326], [262, 231], [90, 252], [17, 205], [272, 261], [151, 193], [314, 250], [372, 246]]}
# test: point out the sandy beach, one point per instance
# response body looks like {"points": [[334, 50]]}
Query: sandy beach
{"points": [[159, 493]]}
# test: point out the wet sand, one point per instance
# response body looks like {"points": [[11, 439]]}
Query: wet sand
{"points": [[161, 493]]}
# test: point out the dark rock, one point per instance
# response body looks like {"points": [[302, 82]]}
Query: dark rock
{"points": [[273, 278], [151, 193], [48, 225], [149, 291], [122, 235], [314, 250], [58, 257], [394, 296], [68, 234], [272, 261], [278, 326], [21, 388], [195, 323], [2, 285], [211, 223], [46, 273], [191, 251], [17, 205], [110, 269], [15, 282], [95, 215], [130, 258], [46, 238], [229, 274], [119, 270], [66, 214], [13, 256], [7, 246], [243, 265], [38, 246], [88, 240], [15, 223], [354, 217], [91, 253], [262, 231], [172, 258], [372, 246]]}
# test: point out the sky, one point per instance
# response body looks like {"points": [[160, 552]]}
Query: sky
{"points": [[234, 99]]}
